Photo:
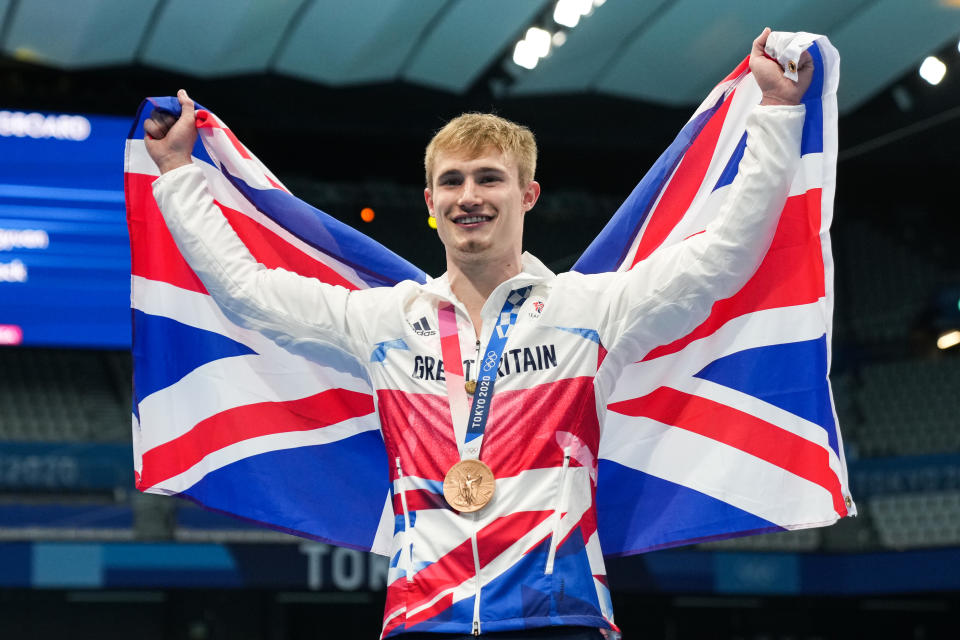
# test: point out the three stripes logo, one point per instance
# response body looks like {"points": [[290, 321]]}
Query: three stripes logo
{"points": [[422, 328]]}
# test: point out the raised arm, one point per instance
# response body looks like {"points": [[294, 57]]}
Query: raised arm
{"points": [[670, 293], [282, 305]]}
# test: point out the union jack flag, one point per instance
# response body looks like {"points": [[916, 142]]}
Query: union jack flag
{"points": [[727, 431]]}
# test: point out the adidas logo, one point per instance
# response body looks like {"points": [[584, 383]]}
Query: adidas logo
{"points": [[422, 328]]}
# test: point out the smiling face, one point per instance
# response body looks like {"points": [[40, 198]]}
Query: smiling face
{"points": [[479, 204]]}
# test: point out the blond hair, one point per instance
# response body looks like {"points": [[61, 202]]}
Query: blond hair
{"points": [[474, 133]]}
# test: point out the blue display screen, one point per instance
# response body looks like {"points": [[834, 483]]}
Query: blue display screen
{"points": [[64, 251]]}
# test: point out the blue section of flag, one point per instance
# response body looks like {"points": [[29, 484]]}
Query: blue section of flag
{"points": [[812, 140], [733, 165], [354, 473], [175, 349], [792, 376], [609, 248], [672, 515]]}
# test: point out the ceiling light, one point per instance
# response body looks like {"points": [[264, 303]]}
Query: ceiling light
{"points": [[932, 70], [524, 55], [539, 39], [559, 38], [948, 340], [568, 12]]}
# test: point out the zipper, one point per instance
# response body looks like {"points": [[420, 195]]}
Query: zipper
{"points": [[476, 568], [408, 543], [476, 362], [561, 507]]}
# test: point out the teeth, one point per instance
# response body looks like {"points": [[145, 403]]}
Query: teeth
{"points": [[471, 219]]}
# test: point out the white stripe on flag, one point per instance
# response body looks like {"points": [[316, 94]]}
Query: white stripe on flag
{"points": [[765, 411], [194, 309], [717, 470], [201, 394], [758, 329], [264, 444], [139, 161]]}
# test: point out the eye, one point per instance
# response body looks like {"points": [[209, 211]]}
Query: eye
{"points": [[449, 180]]}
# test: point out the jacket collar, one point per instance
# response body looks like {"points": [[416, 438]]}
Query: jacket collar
{"points": [[533, 272]]}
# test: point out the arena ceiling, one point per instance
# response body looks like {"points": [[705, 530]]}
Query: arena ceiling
{"points": [[666, 52]]}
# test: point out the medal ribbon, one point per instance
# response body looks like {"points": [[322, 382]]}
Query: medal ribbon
{"points": [[476, 419], [453, 370]]}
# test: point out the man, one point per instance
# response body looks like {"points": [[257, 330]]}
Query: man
{"points": [[490, 421]]}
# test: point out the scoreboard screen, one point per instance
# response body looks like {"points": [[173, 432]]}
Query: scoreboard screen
{"points": [[64, 251]]}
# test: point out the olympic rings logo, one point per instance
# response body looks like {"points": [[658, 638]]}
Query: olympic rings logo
{"points": [[490, 360]]}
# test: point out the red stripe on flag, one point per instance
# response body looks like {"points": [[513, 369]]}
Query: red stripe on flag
{"points": [[206, 120], [740, 430], [586, 527], [449, 571], [275, 183], [154, 254], [250, 421], [242, 150], [791, 273], [499, 535], [273, 252], [741, 68], [684, 186], [396, 602]]}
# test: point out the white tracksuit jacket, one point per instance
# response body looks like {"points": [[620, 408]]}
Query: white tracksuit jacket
{"points": [[531, 557]]}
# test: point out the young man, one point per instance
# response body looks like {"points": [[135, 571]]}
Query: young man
{"points": [[496, 523]]}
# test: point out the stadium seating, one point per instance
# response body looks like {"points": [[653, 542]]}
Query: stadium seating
{"points": [[63, 395], [917, 520]]}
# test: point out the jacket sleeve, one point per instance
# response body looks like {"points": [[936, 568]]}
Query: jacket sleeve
{"points": [[670, 293], [284, 306]]}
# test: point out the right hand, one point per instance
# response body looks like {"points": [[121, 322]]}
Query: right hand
{"points": [[170, 140]]}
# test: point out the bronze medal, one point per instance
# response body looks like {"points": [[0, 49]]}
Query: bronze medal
{"points": [[468, 486], [470, 386]]}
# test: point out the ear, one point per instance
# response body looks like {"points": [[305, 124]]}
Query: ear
{"points": [[530, 195], [428, 198]]}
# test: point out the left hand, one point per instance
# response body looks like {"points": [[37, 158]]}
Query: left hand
{"points": [[776, 87]]}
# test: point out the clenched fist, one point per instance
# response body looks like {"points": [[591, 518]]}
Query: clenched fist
{"points": [[776, 87], [169, 140]]}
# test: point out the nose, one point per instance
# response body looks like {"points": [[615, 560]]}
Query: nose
{"points": [[469, 195]]}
